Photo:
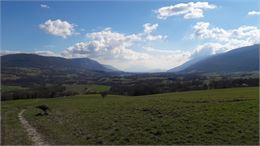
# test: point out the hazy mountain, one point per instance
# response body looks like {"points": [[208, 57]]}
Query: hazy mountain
{"points": [[46, 62], [110, 67], [186, 64], [237, 60]]}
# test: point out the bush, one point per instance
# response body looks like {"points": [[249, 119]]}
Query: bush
{"points": [[103, 94], [44, 109]]}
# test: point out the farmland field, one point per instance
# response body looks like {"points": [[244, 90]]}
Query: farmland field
{"points": [[81, 89], [220, 116], [11, 88]]}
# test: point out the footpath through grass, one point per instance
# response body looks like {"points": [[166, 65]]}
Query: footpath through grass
{"points": [[223, 116]]}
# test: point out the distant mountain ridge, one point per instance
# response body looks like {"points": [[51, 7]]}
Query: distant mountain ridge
{"points": [[112, 68], [186, 64], [47, 62], [237, 60]]}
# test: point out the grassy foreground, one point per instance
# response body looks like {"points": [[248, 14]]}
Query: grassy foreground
{"points": [[223, 116]]}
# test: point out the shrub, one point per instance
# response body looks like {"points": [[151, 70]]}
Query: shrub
{"points": [[44, 108], [103, 94]]}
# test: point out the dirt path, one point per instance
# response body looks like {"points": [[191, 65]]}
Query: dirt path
{"points": [[32, 133]]}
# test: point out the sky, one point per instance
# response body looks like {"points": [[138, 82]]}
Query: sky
{"points": [[136, 36]]}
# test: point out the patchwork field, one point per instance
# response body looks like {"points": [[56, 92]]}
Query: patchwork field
{"points": [[222, 116], [81, 89], [11, 88]]}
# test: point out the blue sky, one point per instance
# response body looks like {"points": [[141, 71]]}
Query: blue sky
{"points": [[173, 40]]}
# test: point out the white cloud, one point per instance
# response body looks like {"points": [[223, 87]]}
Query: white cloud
{"points": [[6, 52], [148, 27], [46, 53], [119, 50], [44, 6], [202, 31], [155, 37], [164, 59], [58, 28], [156, 59], [207, 49], [252, 13], [250, 34], [107, 44], [221, 40], [189, 10]]}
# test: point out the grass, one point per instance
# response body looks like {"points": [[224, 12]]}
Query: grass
{"points": [[5, 88], [223, 116], [86, 88], [12, 132], [5, 76]]}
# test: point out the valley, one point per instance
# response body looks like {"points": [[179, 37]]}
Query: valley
{"points": [[122, 72], [59, 101]]}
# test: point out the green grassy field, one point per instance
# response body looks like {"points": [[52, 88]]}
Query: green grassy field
{"points": [[223, 116], [5, 88], [81, 89]]}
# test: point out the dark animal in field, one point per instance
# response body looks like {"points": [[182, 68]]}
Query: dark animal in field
{"points": [[44, 109]]}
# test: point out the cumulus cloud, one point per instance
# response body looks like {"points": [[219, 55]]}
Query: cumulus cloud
{"points": [[106, 44], [119, 50], [109, 44], [44, 6], [148, 27], [250, 34], [202, 31], [207, 49], [58, 28], [189, 10], [252, 13], [221, 40]]}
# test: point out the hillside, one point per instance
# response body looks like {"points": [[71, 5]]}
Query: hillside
{"points": [[238, 60], [112, 68], [56, 63], [185, 65]]}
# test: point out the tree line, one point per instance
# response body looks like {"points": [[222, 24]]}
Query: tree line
{"points": [[136, 86]]}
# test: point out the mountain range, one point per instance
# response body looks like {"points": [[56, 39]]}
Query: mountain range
{"points": [[58, 63], [237, 60]]}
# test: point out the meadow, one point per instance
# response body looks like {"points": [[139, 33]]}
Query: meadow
{"points": [[217, 116], [5, 88], [85, 88]]}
